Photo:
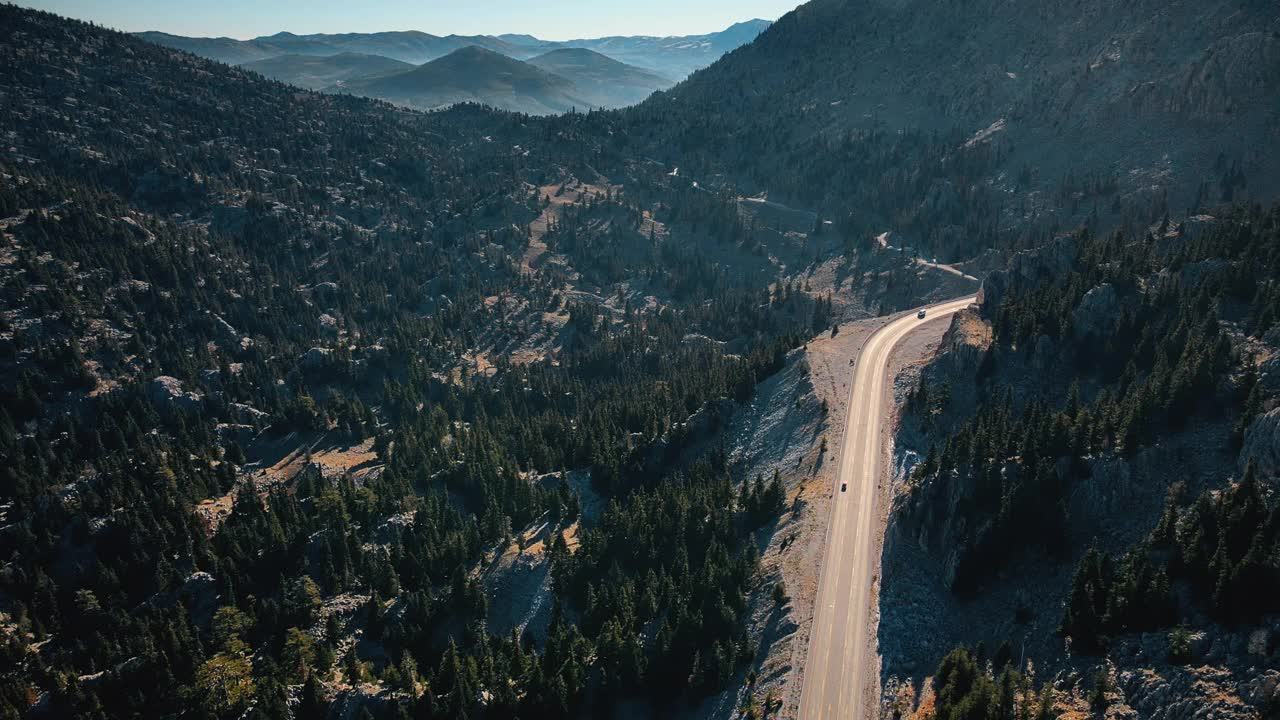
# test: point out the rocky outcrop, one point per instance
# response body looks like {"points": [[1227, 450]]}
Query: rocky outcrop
{"points": [[315, 358], [325, 292], [247, 414], [1269, 375], [1262, 444], [168, 394], [328, 325], [231, 432], [1097, 311], [1199, 693], [1029, 266]]}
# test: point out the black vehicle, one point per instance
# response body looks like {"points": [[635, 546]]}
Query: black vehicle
{"points": [[920, 314], [843, 486]]}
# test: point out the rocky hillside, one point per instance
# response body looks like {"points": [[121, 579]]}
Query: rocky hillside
{"points": [[992, 115], [290, 382], [1088, 479]]}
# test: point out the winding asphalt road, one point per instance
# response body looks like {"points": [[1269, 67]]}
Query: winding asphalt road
{"points": [[838, 673]]}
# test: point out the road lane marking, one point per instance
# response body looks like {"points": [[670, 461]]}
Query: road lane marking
{"points": [[862, 440]]}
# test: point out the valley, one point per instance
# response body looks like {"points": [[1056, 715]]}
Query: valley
{"points": [[381, 375]]}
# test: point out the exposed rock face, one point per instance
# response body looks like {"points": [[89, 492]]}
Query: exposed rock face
{"points": [[1262, 444], [316, 357], [168, 393], [965, 341], [324, 293], [1194, 693], [1053, 259], [231, 432], [1097, 311], [1264, 690], [226, 330], [247, 414], [199, 593], [328, 325]]}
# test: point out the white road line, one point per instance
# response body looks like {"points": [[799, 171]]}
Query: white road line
{"points": [[836, 672]]}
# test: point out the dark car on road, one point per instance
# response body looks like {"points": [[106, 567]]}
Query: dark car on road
{"points": [[920, 314]]}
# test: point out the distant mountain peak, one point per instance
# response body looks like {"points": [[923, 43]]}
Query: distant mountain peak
{"points": [[669, 58], [477, 51]]}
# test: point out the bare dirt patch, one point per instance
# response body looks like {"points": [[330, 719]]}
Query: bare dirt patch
{"points": [[281, 461]]}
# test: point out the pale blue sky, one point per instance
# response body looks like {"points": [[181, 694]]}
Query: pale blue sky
{"points": [[548, 19]]}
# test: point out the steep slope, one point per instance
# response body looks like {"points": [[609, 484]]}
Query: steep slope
{"points": [[474, 74], [285, 375], [316, 71], [1080, 490], [1038, 107], [603, 81]]}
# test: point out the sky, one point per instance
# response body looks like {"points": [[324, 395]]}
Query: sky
{"points": [[547, 19]]}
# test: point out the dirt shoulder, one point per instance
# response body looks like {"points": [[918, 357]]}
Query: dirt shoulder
{"points": [[906, 363]]}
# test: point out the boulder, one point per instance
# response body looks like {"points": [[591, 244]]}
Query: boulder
{"points": [[199, 594], [1264, 690], [328, 324]]}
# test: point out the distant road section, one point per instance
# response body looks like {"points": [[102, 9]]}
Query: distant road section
{"points": [[838, 674]]}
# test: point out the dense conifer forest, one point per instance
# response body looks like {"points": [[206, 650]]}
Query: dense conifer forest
{"points": [[1174, 353], [173, 227]]}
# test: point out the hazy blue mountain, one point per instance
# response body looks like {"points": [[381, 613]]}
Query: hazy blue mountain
{"points": [[672, 57], [324, 71], [474, 74], [408, 46], [675, 57], [224, 49], [605, 82]]}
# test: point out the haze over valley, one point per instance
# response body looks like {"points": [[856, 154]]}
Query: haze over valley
{"points": [[604, 72]]}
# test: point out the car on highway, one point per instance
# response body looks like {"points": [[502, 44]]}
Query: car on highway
{"points": [[920, 314], [843, 486]]}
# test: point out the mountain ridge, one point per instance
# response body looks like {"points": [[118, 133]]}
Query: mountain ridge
{"points": [[604, 81], [674, 56], [474, 74], [317, 72], [1063, 111]]}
